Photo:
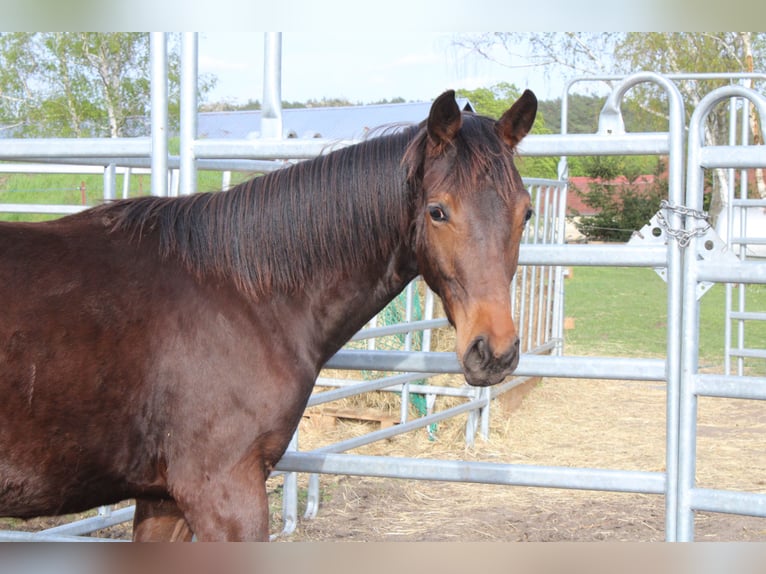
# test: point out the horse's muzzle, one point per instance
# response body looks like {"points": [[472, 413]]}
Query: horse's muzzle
{"points": [[482, 368]]}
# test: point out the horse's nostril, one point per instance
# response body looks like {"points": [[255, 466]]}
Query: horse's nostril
{"points": [[482, 367], [482, 350], [479, 353]]}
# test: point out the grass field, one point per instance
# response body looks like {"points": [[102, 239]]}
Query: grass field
{"points": [[623, 311], [67, 189]]}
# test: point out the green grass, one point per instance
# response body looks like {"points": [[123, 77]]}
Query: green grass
{"points": [[623, 312], [66, 189]]}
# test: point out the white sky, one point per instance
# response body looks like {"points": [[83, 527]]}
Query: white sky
{"points": [[359, 65]]}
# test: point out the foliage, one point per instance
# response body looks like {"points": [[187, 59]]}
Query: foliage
{"points": [[573, 54], [82, 84], [493, 102], [620, 208]]}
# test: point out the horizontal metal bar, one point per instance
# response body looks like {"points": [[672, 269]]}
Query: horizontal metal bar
{"points": [[533, 145], [57, 168], [267, 148], [742, 272], [417, 389], [748, 353], [595, 144], [93, 523], [41, 208], [542, 182], [529, 365], [621, 255], [744, 503], [16, 148], [469, 471], [737, 157], [729, 386], [385, 433], [364, 387], [21, 536], [740, 202], [142, 164], [747, 316], [748, 241], [398, 328]]}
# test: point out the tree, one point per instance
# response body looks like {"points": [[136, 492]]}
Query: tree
{"points": [[698, 52], [576, 54], [493, 102], [79, 84], [622, 207]]}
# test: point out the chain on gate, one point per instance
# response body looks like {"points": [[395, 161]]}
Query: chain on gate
{"points": [[683, 235]]}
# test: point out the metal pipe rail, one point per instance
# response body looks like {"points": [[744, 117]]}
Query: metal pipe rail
{"points": [[529, 365], [483, 472]]}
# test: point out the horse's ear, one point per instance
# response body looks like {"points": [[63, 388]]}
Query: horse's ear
{"points": [[444, 121], [518, 120]]}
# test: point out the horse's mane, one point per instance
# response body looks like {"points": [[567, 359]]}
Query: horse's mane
{"points": [[332, 214]]}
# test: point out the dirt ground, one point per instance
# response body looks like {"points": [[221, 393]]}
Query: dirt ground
{"points": [[599, 424]]}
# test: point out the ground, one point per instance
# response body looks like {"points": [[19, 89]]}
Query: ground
{"points": [[597, 424], [560, 422]]}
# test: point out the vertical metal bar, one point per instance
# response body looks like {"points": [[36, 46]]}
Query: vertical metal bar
{"points": [[729, 215], [542, 301], [485, 411], [557, 328], [690, 331], [551, 276], [742, 232], [188, 127], [312, 497], [428, 313], [675, 278], [405, 396], [126, 182], [676, 191], [110, 182], [159, 64], [290, 494], [533, 281], [271, 114]]}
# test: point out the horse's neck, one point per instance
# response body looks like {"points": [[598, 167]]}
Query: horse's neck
{"points": [[341, 309]]}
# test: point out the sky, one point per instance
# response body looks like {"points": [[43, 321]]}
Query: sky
{"points": [[360, 66]]}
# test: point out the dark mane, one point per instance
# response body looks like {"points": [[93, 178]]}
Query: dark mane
{"points": [[279, 232]]}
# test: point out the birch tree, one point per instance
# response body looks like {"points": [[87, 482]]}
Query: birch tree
{"points": [[675, 53], [80, 84]]}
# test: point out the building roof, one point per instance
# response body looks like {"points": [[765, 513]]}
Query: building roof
{"points": [[349, 122]]}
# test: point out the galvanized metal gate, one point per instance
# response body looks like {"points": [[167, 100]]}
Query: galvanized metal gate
{"points": [[675, 250], [737, 268]]}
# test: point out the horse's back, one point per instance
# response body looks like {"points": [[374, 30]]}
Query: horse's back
{"points": [[64, 319]]}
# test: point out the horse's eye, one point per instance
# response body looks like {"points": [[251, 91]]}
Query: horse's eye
{"points": [[437, 213], [528, 215]]}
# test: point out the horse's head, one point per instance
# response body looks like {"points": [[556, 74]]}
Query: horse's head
{"points": [[468, 226]]}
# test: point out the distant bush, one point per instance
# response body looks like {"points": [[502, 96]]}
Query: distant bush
{"points": [[623, 203]]}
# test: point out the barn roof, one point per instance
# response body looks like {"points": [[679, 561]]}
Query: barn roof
{"points": [[348, 122]]}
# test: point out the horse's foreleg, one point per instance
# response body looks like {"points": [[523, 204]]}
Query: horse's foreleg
{"points": [[160, 521], [230, 507]]}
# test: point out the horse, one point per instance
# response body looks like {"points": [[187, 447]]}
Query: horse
{"points": [[163, 349]]}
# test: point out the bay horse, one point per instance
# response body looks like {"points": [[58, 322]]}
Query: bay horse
{"points": [[164, 349]]}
